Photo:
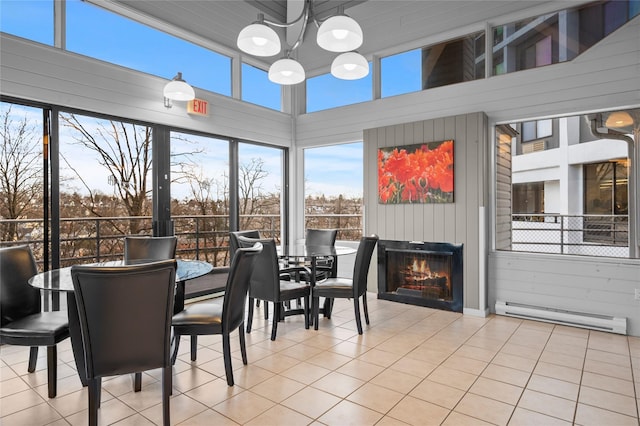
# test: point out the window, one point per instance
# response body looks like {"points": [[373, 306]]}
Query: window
{"points": [[258, 89], [557, 37], [605, 189], [453, 61], [32, 20], [606, 202], [103, 35], [538, 129], [325, 91], [442, 64], [401, 73], [334, 189], [200, 195], [563, 204], [528, 198], [22, 176], [106, 182], [260, 189]]}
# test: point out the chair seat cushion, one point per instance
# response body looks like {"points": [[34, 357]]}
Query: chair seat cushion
{"points": [[41, 329], [291, 289], [335, 287], [203, 314]]}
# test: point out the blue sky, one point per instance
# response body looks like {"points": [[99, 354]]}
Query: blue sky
{"points": [[332, 170]]}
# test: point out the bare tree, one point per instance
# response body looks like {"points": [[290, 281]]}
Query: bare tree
{"points": [[124, 149], [21, 165], [250, 189]]}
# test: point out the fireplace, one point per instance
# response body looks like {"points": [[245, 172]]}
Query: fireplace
{"points": [[421, 273]]}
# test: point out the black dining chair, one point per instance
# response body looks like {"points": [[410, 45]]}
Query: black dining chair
{"points": [[328, 266], [234, 245], [23, 321], [267, 286], [350, 288], [125, 321], [207, 318], [149, 248]]}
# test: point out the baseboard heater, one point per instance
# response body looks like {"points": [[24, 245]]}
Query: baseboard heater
{"points": [[558, 316]]}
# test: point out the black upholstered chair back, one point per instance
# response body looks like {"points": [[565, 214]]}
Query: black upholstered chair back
{"points": [[321, 237], [361, 266], [265, 280], [149, 248], [125, 316], [238, 282], [19, 299], [233, 239]]}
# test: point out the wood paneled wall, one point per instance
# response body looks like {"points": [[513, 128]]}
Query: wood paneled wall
{"points": [[456, 222]]}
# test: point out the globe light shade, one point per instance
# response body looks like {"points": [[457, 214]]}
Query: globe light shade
{"points": [[286, 71], [179, 90], [339, 33], [350, 66], [619, 119], [259, 40]]}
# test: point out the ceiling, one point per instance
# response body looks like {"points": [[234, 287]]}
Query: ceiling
{"points": [[386, 24]]}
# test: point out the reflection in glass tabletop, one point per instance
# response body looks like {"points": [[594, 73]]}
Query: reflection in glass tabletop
{"points": [[60, 279]]}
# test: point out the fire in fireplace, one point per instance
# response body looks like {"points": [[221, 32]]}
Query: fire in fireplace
{"points": [[421, 273]]}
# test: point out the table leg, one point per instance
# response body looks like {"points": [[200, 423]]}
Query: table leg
{"points": [[76, 337], [312, 283]]}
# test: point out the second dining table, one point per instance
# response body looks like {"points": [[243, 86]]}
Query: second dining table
{"points": [[300, 251], [59, 280]]}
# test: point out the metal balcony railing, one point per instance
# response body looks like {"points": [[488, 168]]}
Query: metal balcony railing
{"points": [[589, 235], [204, 237]]}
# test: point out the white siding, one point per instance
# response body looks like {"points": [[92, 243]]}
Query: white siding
{"points": [[40, 73], [455, 222]]}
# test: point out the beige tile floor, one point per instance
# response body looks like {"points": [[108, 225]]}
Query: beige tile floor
{"points": [[412, 365]]}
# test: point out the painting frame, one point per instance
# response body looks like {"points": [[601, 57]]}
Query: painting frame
{"points": [[421, 173]]}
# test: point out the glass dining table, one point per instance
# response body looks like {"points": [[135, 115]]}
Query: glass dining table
{"points": [[301, 253], [59, 280]]}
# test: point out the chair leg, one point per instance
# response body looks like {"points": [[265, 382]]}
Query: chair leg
{"points": [[94, 401], [243, 344], [365, 308], [306, 312], [328, 306], [194, 347], [316, 311], [356, 308], [257, 303], [33, 359], [266, 310], [176, 345], [137, 382], [277, 309], [52, 370], [166, 391], [226, 351], [250, 314]]}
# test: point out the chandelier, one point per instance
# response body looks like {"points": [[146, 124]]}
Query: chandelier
{"points": [[339, 33]]}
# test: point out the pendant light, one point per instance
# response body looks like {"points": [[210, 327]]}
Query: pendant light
{"points": [[286, 71], [339, 33], [258, 39], [350, 66]]}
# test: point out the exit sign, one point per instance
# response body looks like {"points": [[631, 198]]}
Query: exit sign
{"points": [[198, 107]]}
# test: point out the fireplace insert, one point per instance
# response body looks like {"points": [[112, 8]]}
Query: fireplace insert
{"points": [[421, 273]]}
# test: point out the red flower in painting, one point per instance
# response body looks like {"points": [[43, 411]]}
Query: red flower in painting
{"points": [[416, 174]]}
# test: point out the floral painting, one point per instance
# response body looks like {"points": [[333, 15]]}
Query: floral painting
{"points": [[421, 173]]}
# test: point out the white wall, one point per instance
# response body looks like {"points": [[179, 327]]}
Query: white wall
{"points": [[52, 76]]}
